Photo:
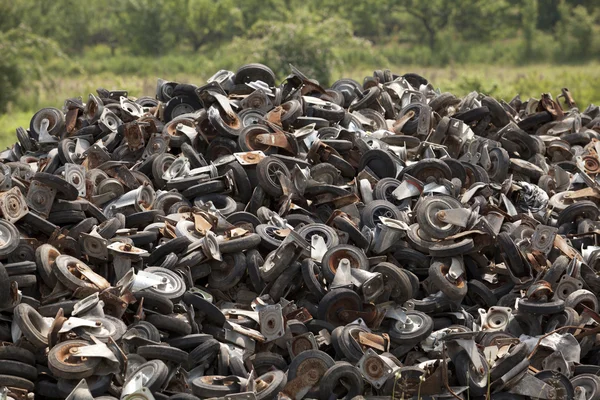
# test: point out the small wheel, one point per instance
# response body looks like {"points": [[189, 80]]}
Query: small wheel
{"points": [[311, 275], [66, 270], [590, 382], [312, 363], [227, 273], [397, 282], [468, 375], [271, 236], [326, 232], [265, 361], [564, 388], [172, 287], [541, 308], [214, 386], [45, 256], [343, 380], [270, 384], [499, 163], [454, 288], [31, 324], [379, 208], [266, 172], [334, 255], [151, 375], [428, 216], [334, 303], [384, 188], [64, 363], [417, 327]]}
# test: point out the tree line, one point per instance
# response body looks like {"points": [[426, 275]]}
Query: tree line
{"points": [[314, 33]]}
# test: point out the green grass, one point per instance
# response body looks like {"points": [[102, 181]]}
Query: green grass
{"points": [[9, 123], [85, 76]]}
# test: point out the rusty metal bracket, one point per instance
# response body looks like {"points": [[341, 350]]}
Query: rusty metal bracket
{"points": [[564, 247], [376, 369], [249, 157]]}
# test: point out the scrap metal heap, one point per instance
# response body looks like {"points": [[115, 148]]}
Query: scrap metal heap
{"points": [[252, 240]]}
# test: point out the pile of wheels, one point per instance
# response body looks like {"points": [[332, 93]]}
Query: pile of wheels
{"points": [[248, 239]]}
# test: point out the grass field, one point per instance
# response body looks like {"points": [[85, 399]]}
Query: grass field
{"points": [[499, 81]]}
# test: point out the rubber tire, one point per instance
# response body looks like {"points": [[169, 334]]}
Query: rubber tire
{"points": [[169, 324], [371, 221], [16, 382], [278, 380], [20, 369], [164, 353], [453, 291], [476, 388], [202, 388], [80, 371], [17, 354], [333, 377], [29, 321]]}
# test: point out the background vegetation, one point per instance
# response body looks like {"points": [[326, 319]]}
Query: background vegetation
{"points": [[51, 50]]}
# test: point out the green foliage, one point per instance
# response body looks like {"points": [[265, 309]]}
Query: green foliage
{"points": [[529, 18], [310, 46], [22, 61], [207, 21], [575, 32], [135, 41], [145, 25]]}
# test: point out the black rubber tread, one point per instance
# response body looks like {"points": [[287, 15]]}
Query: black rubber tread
{"points": [[544, 308], [341, 374], [66, 189], [275, 380], [270, 184], [188, 342], [370, 213], [155, 302], [508, 362], [335, 254], [331, 298], [16, 382], [437, 273], [205, 352], [170, 323], [266, 361], [227, 273], [243, 243], [82, 369], [511, 254], [17, 354], [24, 281], [164, 353], [464, 375]]}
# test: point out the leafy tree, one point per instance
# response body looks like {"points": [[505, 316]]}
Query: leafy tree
{"points": [[529, 18], [309, 45], [23, 57], [146, 26], [209, 21], [369, 19], [267, 10], [64, 21], [433, 16], [475, 20], [575, 32]]}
